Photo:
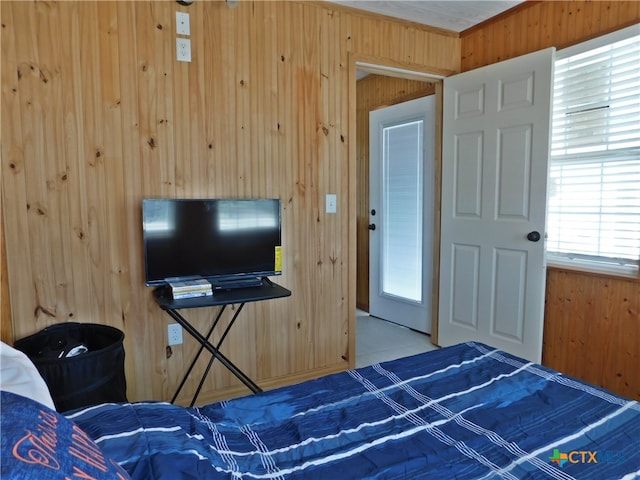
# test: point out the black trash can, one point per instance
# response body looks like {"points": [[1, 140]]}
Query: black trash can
{"points": [[81, 363]]}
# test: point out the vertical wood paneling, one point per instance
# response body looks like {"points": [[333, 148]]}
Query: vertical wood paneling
{"points": [[135, 310], [13, 162], [592, 329], [6, 326], [537, 25], [98, 114]]}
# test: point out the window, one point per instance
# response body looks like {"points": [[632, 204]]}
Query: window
{"points": [[594, 176]]}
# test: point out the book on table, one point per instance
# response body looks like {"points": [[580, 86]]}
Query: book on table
{"points": [[190, 288]]}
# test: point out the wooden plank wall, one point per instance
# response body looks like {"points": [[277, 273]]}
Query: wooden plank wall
{"points": [[97, 114], [374, 91], [592, 329], [535, 25], [6, 326], [592, 323]]}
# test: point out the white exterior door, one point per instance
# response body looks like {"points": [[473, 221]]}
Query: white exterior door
{"points": [[496, 125], [401, 212]]}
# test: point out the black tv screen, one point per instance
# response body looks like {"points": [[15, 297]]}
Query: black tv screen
{"points": [[221, 240]]}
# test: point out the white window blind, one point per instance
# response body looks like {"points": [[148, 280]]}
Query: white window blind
{"points": [[594, 178]]}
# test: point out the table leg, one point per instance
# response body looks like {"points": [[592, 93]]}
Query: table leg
{"points": [[214, 351], [206, 372], [184, 379]]}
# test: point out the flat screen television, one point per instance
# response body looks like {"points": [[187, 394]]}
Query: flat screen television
{"points": [[229, 242]]}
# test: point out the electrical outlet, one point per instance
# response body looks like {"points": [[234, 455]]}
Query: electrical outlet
{"points": [[182, 23], [183, 49], [174, 334]]}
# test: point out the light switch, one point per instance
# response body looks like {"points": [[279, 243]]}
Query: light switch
{"points": [[182, 23], [331, 203]]}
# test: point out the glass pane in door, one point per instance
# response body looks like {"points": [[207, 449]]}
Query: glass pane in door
{"points": [[401, 249]]}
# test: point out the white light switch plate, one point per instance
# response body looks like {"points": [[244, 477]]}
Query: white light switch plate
{"points": [[182, 23], [331, 203]]}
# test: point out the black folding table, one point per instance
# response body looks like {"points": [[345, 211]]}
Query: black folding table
{"points": [[221, 297]]}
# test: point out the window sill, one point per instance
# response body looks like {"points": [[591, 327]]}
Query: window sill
{"points": [[627, 273]]}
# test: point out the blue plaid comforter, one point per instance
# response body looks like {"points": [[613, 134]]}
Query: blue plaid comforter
{"points": [[463, 412]]}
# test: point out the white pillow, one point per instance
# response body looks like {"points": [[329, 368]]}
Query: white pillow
{"points": [[19, 375]]}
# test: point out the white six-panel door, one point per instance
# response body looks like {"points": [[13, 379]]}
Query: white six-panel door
{"points": [[496, 126]]}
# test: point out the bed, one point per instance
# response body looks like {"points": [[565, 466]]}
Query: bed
{"points": [[463, 412]]}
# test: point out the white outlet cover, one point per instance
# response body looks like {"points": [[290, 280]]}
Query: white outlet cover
{"points": [[182, 23], [174, 334], [183, 49]]}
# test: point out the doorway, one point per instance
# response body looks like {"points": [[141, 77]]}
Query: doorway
{"points": [[384, 86]]}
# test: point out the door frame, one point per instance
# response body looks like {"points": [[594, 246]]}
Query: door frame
{"points": [[386, 66]]}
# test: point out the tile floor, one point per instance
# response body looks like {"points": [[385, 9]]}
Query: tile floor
{"points": [[379, 341]]}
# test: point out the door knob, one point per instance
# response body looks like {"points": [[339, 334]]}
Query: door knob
{"points": [[533, 236], [372, 226]]}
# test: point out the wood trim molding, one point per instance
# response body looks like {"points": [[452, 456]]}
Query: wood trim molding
{"points": [[6, 323]]}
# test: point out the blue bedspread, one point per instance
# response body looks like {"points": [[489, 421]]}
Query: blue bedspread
{"points": [[464, 412]]}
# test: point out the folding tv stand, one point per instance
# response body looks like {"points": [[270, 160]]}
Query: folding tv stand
{"points": [[267, 291]]}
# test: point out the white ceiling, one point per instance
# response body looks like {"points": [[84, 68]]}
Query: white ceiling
{"points": [[452, 15]]}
